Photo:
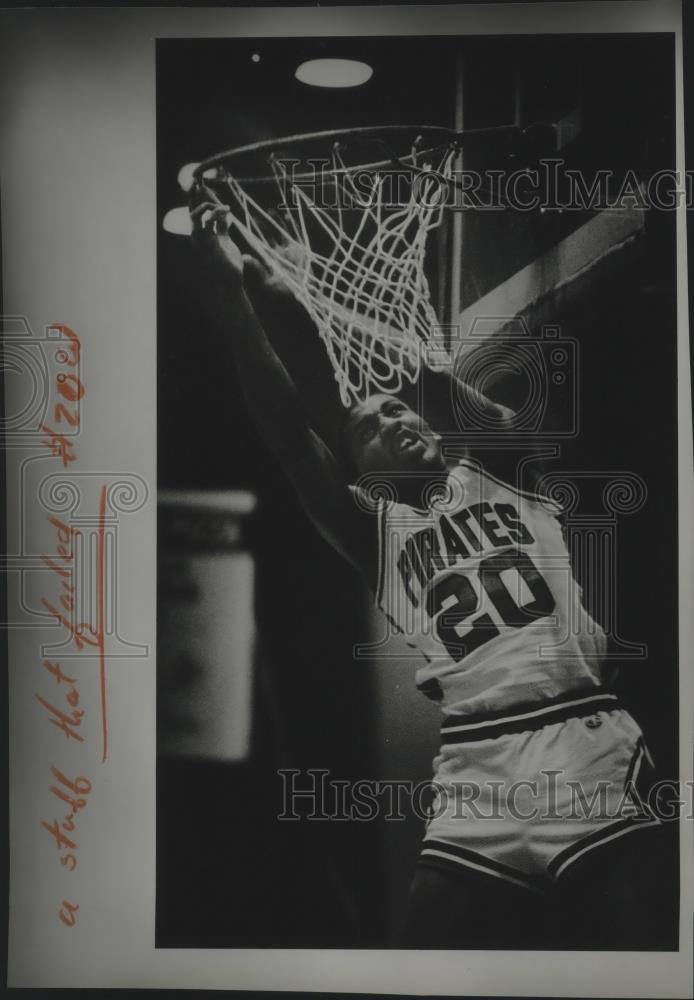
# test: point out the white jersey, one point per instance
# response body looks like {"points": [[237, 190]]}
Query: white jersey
{"points": [[480, 583]]}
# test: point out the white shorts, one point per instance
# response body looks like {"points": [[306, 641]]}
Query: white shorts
{"points": [[523, 795]]}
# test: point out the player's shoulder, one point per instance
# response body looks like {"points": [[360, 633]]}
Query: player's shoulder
{"points": [[366, 501], [379, 499], [527, 489]]}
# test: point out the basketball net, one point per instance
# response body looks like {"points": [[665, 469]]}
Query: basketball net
{"points": [[358, 270]]}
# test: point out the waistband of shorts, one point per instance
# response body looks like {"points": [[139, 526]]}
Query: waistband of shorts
{"points": [[527, 717]]}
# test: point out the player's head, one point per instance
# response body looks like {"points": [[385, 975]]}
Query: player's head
{"points": [[384, 435]]}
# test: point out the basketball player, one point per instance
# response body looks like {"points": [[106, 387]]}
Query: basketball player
{"points": [[475, 573]]}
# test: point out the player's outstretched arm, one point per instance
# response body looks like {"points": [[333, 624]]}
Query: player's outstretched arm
{"points": [[271, 397], [294, 336], [462, 408]]}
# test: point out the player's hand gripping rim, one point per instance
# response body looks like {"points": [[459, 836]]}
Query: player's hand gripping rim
{"points": [[211, 223]]}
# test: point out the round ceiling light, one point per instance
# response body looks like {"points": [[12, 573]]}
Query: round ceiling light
{"points": [[334, 72], [186, 176], [178, 221]]}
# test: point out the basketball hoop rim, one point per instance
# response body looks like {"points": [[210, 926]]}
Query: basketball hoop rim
{"points": [[451, 137]]}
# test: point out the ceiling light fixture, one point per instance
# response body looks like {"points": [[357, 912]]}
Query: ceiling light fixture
{"points": [[186, 176], [178, 222], [334, 72]]}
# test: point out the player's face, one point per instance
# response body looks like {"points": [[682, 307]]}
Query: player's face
{"points": [[385, 435]]}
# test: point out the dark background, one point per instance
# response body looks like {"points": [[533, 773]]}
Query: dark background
{"points": [[228, 874]]}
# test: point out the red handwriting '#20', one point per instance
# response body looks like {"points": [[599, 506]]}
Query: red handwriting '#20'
{"points": [[70, 389]]}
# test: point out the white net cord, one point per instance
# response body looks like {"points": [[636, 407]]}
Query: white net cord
{"points": [[357, 268]]}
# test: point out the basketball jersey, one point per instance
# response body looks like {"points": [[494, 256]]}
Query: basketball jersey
{"points": [[480, 584]]}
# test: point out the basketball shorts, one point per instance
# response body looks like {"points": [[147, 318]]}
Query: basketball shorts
{"points": [[524, 795]]}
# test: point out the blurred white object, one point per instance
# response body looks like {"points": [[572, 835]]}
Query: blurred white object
{"points": [[186, 176], [206, 629], [178, 221]]}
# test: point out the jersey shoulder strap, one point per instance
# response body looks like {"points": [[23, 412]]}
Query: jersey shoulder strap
{"points": [[549, 505]]}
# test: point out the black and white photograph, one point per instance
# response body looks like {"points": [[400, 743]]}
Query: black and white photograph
{"points": [[417, 493], [347, 446]]}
